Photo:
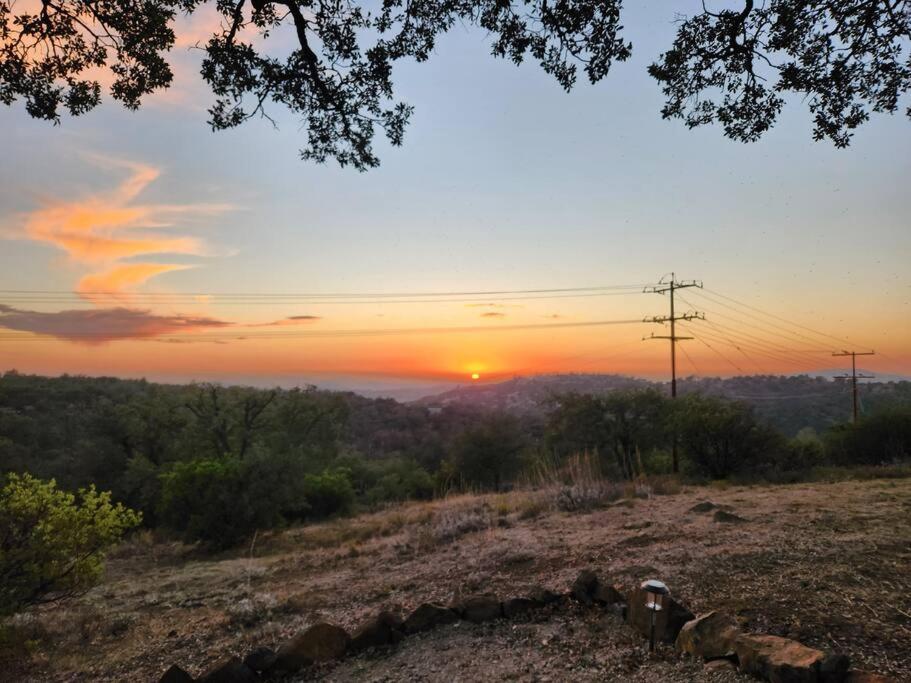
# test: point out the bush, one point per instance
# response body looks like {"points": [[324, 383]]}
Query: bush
{"points": [[721, 438], [53, 542], [884, 437], [224, 501], [329, 493]]}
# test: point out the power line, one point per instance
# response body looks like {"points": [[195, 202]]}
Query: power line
{"points": [[854, 376], [705, 343], [114, 335], [318, 295], [778, 317]]}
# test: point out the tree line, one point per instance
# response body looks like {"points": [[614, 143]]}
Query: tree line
{"points": [[214, 463]]}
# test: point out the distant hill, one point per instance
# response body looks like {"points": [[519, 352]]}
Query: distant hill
{"points": [[790, 403]]}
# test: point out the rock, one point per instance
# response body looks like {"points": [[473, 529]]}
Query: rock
{"points": [[709, 636], [583, 588], [319, 643], [230, 670], [608, 595], [544, 596], [855, 676], [382, 630], [516, 606], [428, 616], [834, 668], [720, 665], [589, 589], [668, 621], [727, 517], [777, 659], [175, 675], [261, 659], [479, 608], [704, 506]]}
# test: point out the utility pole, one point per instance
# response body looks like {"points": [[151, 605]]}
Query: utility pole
{"points": [[854, 376], [671, 286]]}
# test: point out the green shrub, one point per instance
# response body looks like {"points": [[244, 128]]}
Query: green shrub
{"points": [[329, 493], [52, 542], [881, 438], [224, 501], [721, 438]]}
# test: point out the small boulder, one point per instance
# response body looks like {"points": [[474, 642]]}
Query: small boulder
{"points": [[175, 674], [583, 588], [721, 665], [480, 608], [382, 630], [855, 676], [230, 670], [668, 621], [516, 606], [704, 506], [726, 517], [777, 659], [709, 636], [834, 668], [319, 643], [261, 659], [608, 595], [428, 616], [544, 596], [588, 589]]}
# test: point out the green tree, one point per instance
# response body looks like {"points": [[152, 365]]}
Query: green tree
{"points": [[488, 454], [883, 437], [52, 542], [733, 66], [721, 438], [618, 425]]}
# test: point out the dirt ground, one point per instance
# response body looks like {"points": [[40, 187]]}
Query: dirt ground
{"points": [[827, 564]]}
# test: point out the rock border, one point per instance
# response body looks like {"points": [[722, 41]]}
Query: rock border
{"points": [[714, 636]]}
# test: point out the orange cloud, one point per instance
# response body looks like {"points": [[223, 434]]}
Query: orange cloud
{"points": [[123, 277], [106, 228], [493, 314]]}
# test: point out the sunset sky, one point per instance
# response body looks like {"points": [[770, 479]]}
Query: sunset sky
{"points": [[162, 245]]}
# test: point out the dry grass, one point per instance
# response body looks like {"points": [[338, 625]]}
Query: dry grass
{"points": [[826, 563]]}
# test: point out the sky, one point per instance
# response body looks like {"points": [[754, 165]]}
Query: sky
{"points": [[163, 244]]}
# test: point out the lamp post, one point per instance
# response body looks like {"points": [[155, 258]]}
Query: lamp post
{"points": [[655, 594]]}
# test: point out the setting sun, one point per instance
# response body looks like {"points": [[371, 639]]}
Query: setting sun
{"points": [[475, 375]]}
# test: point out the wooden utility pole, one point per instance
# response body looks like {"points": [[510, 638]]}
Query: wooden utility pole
{"points": [[854, 376], [671, 286]]}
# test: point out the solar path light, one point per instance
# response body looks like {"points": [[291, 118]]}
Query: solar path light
{"points": [[656, 594]]}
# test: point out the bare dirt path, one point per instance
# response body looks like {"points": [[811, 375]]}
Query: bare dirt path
{"points": [[827, 564]]}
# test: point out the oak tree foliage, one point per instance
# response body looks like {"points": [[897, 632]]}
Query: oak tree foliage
{"points": [[844, 58]]}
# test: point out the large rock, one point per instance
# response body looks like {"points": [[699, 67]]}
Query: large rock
{"points": [[230, 670], [428, 616], [710, 636], [175, 674], [668, 621], [382, 630], [480, 608], [779, 660], [319, 643]]}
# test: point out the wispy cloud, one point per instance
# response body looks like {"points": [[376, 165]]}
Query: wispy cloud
{"points": [[493, 314], [103, 230], [100, 325]]}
